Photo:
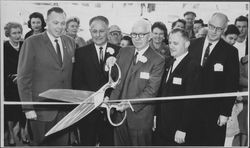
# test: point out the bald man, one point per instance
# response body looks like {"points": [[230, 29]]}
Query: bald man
{"points": [[141, 70], [220, 74]]}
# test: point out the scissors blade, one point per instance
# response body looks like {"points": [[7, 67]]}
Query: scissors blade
{"points": [[82, 110], [67, 95]]}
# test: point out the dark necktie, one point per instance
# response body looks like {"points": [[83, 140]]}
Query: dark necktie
{"points": [[101, 55], [59, 54], [207, 51], [135, 57], [170, 69]]}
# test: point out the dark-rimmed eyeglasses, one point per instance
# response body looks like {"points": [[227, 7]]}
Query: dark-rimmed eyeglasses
{"points": [[140, 35], [212, 27]]}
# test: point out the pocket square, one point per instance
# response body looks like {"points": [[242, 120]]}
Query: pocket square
{"points": [[177, 80], [218, 67], [144, 75]]}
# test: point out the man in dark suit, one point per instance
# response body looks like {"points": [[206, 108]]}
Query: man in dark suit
{"points": [[220, 74], [89, 74], [141, 71], [45, 62], [176, 119]]}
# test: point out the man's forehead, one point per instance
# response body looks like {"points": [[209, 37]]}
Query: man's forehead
{"points": [[98, 23]]}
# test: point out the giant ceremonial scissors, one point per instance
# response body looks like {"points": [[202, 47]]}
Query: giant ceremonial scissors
{"points": [[87, 100]]}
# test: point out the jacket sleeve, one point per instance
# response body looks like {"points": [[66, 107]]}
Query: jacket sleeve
{"points": [[25, 72]]}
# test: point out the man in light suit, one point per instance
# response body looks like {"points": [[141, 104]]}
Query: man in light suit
{"points": [[89, 74], [176, 119], [45, 62], [220, 74], [141, 71]]}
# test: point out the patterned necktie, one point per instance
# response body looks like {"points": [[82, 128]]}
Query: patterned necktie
{"points": [[59, 54], [170, 69], [101, 55], [135, 57], [207, 51]]}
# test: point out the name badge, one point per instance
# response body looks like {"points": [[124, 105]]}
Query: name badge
{"points": [[144, 75], [177, 80], [218, 67]]}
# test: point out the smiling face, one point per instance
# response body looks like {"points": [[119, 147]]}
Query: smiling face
{"points": [[178, 45], [72, 28], [141, 29], [157, 35], [36, 24], [242, 26], [56, 24], [99, 32]]}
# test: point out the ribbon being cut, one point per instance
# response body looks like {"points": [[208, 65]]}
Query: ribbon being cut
{"points": [[87, 101]]}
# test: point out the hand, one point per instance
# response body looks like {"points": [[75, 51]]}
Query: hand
{"points": [[31, 115], [239, 98], [179, 137], [222, 120], [122, 106]]}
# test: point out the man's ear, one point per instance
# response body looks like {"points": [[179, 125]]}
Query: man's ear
{"points": [[187, 43]]}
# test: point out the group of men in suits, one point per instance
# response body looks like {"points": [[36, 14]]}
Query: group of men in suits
{"points": [[49, 60]]}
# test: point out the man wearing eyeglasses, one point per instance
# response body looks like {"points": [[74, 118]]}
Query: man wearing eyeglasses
{"points": [[115, 35], [220, 74], [141, 70], [89, 74]]}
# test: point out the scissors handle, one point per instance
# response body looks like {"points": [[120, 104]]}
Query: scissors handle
{"points": [[108, 108], [111, 81]]}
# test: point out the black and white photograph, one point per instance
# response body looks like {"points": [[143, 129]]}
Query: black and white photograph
{"points": [[124, 73]]}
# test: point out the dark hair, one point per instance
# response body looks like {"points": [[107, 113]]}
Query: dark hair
{"points": [[101, 18], [189, 12], [232, 29], [183, 32], [163, 27], [55, 9], [200, 21], [36, 15], [10, 25], [241, 19], [127, 38], [179, 20]]}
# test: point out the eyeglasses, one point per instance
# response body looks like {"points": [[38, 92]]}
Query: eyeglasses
{"points": [[115, 33], [140, 35], [212, 27]]}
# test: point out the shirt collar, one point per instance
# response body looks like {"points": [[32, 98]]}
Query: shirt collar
{"points": [[213, 44], [103, 46], [142, 51], [52, 38]]}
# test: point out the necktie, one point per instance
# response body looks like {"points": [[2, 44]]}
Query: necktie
{"points": [[135, 57], [170, 69], [207, 51], [59, 54], [101, 55]]}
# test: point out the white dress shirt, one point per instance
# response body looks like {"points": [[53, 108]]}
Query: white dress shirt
{"points": [[205, 46], [52, 39], [241, 48], [103, 50]]}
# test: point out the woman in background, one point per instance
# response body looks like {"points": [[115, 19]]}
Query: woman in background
{"points": [[36, 23], [13, 113], [126, 41], [72, 27]]}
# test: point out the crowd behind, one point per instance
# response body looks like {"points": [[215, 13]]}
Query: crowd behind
{"points": [[28, 71]]}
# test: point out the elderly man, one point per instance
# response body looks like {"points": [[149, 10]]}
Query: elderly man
{"points": [[141, 69], [89, 74], [115, 35], [220, 74], [45, 62]]}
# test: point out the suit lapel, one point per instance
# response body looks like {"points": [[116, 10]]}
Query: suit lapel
{"points": [[66, 54], [50, 47], [139, 64], [94, 57]]}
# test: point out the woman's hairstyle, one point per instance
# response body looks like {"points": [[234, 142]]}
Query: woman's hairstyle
{"points": [[11, 25], [179, 20], [72, 19], [36, 15], [232, 29], [163, 27]]}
